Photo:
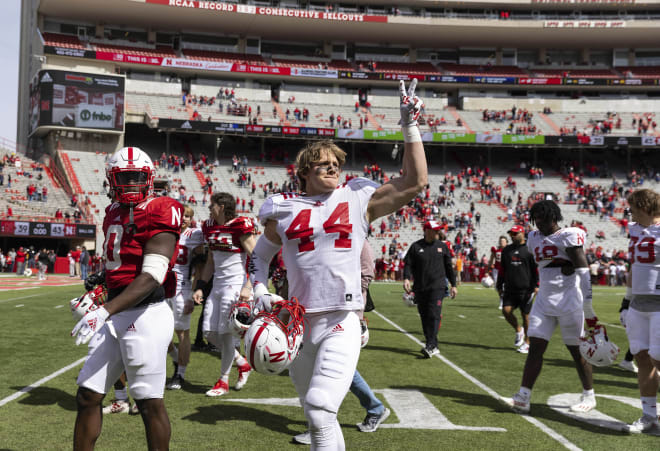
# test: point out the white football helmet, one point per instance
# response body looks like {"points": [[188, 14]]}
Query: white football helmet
{"points": [[597, 349], [130, 174], [364, 336], [487, 281], [409, 299], [88, 302], [240, 318], [27, 272], [273, 340]]}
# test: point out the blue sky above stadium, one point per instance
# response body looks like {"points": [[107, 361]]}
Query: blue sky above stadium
{"points": [[9, 36]]}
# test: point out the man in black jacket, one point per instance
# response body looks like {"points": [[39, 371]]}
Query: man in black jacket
{"points": [[517, 282], [428, 264]]}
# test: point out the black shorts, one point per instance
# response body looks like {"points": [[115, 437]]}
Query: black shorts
{"points": [[523, 301]]}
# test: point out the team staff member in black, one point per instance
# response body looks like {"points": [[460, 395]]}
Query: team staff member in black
{"points": [[517, 282], [428, 263]]}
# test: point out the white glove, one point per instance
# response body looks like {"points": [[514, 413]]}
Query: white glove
{"points": [[89, 325], [265, 302], [622, 317], [410, 105]]}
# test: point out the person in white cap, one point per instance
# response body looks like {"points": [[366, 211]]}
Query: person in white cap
{"points": [[428, 265]]}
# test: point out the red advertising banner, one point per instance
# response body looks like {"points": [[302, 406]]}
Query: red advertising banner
{"points": [[125, 58], [291, 130], [271, 70], [540, 81], [7, 227]]}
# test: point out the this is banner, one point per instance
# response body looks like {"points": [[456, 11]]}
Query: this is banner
{"points": [[523, 139]]}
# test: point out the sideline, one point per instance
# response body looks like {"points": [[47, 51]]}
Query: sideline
{"points": [[549, 431], [42, 381]]}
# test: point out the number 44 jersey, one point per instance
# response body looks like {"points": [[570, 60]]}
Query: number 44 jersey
{"points": [[558, 294], [322, 237]]}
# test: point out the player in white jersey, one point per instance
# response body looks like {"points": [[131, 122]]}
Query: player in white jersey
{"points": [[321, 232], [191, 243], [563, 299], [230, 239], [642, 319]]}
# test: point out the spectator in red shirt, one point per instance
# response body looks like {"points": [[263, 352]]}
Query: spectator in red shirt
{"points": [[76, 257], [20, 261]]}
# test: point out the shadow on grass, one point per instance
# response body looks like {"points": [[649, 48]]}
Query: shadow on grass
{"points": [[45, 396], [473, 345], [403, 351], [538, 411], [235, 412]]}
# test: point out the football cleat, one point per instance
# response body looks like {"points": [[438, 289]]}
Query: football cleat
{"points": [[628, 365], [646, 423], [243, 374], [518, 403], [523, 348], [220, 388], [134, 409], [586, 404], [520, 339], [176, 383], [304, 439], [117, 406]]}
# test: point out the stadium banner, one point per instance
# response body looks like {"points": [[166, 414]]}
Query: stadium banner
{"points": [[383, 135], [632, 81], [650, 141], [360, 75], [41, 229], [269, 11], [523, 139], [448, 78], [200, 126], [561, 140], [584, 24], [349, 133], [406, 77], [596, 140], [495, 80], [485, 138], [455, 137], [185, 63], [540, 81], [623, 141], [75, 99], [64, 51], [317, 73], [120, 57], [253, 69], [585, 81]]}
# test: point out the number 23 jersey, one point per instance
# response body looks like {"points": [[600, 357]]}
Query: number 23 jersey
{"points": [[644, 249], [558, 293], [322, 238]]}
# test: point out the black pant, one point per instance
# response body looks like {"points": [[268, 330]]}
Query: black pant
{"points": [[429, 306]]}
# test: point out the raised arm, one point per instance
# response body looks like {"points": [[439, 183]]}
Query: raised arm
{"points": [[400, 190]]}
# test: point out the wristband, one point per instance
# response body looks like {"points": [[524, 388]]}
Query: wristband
{"points": [[411, 134]]}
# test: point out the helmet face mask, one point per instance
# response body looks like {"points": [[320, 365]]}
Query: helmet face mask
{"points": [[130, 174]]}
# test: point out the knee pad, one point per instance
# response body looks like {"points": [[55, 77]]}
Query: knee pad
{"points": [[319, 417], [322, 425]]}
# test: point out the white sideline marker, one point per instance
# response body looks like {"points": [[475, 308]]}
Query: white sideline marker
{"points": [[20, 305], [19, 298], [549, 431], [42, 381]]}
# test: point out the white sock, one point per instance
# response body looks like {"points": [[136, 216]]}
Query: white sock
{"points": [[649, 406], [182, 370], [589, 393], [239, 359], [225, 378], [525, 392], [121, 395]]}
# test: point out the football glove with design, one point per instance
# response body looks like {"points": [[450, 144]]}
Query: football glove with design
{"points": [[410, 105], [89, 325]]}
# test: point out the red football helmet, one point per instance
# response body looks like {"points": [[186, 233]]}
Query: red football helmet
{"points": [[130, 174]]}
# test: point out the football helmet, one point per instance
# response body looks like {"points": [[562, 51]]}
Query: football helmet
{"points": [[89, 301], [364, 336], [130, 174], [487, 281], [273, 340], [240, 317], [597, 349], [409, 299]]}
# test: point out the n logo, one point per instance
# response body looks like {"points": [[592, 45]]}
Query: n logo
{"points": [[276, 356], [176, 217]]}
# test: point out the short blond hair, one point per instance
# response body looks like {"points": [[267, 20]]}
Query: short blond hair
{"points": [[645, 200], [311, 154], [188, 211]]}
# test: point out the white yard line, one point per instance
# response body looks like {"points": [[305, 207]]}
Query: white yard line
{"points": [[19, 298], [31, 387], [547, 430]]}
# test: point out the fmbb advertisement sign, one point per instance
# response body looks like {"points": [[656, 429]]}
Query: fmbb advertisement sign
{"points": [[95, 116]]}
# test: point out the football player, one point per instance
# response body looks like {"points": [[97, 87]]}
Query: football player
{"points": [[495, 262], [191, 243], [132, 330], [642, 319], [563, 299], [230, 239], [321, 232]]}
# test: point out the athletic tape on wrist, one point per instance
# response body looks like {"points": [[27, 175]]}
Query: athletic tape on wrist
{"points": [[411, 134]]}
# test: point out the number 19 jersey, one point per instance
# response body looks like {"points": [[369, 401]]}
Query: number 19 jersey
{"points": [[558, 293], [322, 238]]}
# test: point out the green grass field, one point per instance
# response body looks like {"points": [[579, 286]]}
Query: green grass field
{"points": [[455, 394]]}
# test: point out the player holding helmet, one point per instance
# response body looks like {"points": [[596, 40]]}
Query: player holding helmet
{"points": [[564, 299], [132, 330], [642, 320], [321, 232], [230, 239]]}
